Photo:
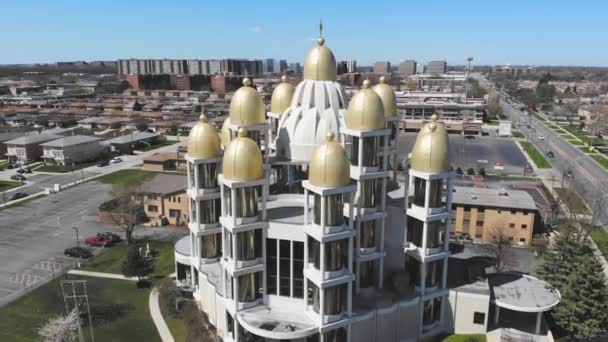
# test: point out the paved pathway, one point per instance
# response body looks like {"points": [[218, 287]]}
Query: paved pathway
{"points": [[101, 275], [157, 317]]}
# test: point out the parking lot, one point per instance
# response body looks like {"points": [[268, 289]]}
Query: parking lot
{"points": [[34, 235], [481, 151]]}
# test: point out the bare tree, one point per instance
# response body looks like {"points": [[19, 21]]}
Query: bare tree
{"points": [[499, 247], [599, 119], [128, 208], [60, 328]]}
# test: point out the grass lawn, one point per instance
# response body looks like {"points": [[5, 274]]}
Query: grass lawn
{"points": [[517, 134], [492, 123], [536, 115], [5, 185], [4, 163], [178, 329], [536, 156], [600, 159], [600, 237], [465, 338], [575, 142], [118, 308], [63, 168], [110, 261], [572, 200], [127, 176]]}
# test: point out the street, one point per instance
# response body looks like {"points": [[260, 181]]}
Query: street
{"points": [[586, 177]]}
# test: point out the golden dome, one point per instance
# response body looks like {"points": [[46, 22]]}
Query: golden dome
{"points": [[430, 152], [320, 64], [281, 96], [225, 133], [387, 95], [329, 166], [243, 159], [365, 111], [246, 106], [203, 140]]}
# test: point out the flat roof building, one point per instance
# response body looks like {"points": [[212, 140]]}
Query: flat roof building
{"points": [[407, 68], [437, 67]]}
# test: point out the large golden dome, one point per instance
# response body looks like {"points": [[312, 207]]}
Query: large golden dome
{"points": [[246, 106], [431, 152], [281, 96], [387, 95], [329, 166], [203, 140], [320, 64], [225, 133], [243, 159], [365, 111]]}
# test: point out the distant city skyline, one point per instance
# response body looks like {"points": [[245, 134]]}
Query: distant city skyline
{"points": [[542, 32]]}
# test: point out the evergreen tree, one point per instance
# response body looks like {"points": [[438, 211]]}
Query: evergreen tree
{"points": [[559, 261], [582, 312]]}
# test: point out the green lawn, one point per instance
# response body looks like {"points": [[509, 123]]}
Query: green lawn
{"points": [[465, 338], [127, 176], [575, 142], [535, 155], [572, 200], [6, 185], [536, 115], [517, 134], [600, 159], [63, 168], [110, 261], [178, 329], [119, 310], [600, 237], [4, 163]]}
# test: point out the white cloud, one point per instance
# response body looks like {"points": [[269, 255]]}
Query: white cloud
{"points": [[256, 29]]}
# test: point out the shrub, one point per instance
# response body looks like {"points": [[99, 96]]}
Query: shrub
{"points": [[470, 171]]}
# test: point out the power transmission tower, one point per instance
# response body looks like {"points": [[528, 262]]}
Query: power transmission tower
{"points": [[75, 297]]}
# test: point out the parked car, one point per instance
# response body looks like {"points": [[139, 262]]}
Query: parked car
{"points": [[77, 252], [24, 170], [98, 241], [103, 163], [469, 137], [541, 137], [550, 154], [18, 195], [116, 160], [18, 177], [109, 235]]}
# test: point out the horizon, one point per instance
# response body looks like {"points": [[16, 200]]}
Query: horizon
{"points": [[543, 33]]}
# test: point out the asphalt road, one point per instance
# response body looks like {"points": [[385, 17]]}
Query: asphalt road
{"points": [[587, 178], [482, 151], [34, 234]]}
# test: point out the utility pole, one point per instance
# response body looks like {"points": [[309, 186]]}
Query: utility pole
{"points": [[77, 239], [466, 84], [74, 298]]}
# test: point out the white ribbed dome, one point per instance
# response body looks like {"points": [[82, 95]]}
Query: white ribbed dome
{"points": [[317, 108]]}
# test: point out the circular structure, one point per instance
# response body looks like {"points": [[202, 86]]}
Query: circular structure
{"points": [[387, 95], [243, 159], [523, 293], [281, 96], [225, 133], [203, 140], [430, 152], [246, 106], [320, 64], [329, 166], [365, 111]]}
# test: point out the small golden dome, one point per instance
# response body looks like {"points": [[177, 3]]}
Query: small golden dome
{"points": [[365, 111], [387, 95], [320, 64], [225, 133], [246, 106], [243, 159], [203, 140], [329, 166], [281, 96], [431, 151]]}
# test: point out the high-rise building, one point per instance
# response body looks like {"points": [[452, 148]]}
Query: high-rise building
{"points": [[342, 67], [294, 67], [351, 65], [437, 67], [269, 65], [407, 68], [382, 67]]}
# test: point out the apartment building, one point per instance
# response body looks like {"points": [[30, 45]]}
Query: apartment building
{"points": [[165, 200]]}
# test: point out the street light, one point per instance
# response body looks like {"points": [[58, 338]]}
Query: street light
{"points": [[77, 239]]}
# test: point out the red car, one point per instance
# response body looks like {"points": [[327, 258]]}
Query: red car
{"points": [[98, 241]]}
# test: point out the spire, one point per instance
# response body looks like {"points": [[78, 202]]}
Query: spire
{"points": [[321, 27]]}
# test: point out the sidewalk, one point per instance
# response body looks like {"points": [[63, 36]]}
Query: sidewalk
{"points": [[157, 317], [101, 275]]}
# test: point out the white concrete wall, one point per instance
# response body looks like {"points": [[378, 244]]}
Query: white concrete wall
{"points": [[462, 307], [399, 322]]}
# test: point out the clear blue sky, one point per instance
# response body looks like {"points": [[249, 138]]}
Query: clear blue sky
{"points": [[538, 32]]}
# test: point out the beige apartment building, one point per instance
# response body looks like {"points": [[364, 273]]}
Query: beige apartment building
{"points": [[483, 215], [165, 201]]}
